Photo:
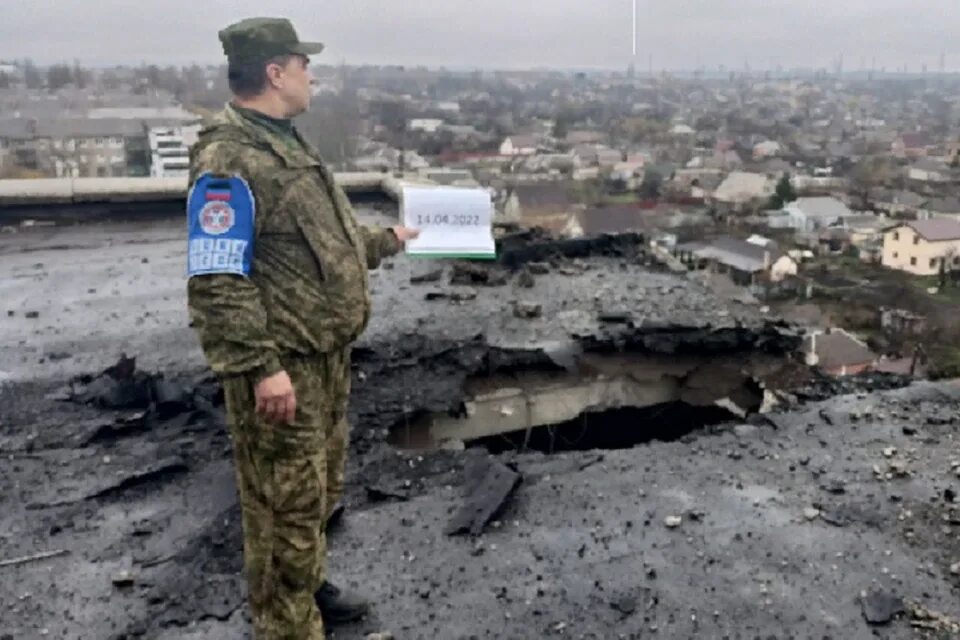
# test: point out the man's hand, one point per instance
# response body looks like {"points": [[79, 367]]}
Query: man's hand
{"points": [[276, 401], [405, 233]]}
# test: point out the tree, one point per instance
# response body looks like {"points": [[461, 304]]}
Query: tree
{"points": [[81, 77], [560, 127], [867, 175], [32, 77], [785, 189], [947, 261], [651, 185], [58, 76]]}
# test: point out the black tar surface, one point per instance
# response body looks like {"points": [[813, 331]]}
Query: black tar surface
{"points": [[783, 530]]}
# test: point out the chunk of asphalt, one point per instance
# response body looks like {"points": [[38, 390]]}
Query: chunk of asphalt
{"points": [[880, 607], [489, 485], [382, 493], [157, 472]]}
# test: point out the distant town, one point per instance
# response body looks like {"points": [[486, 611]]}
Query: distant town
{"points": [[830, 199]]}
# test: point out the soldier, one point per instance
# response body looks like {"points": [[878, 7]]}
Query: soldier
{"points": [[277, 293]]}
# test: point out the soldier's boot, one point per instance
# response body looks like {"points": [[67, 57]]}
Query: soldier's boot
{"points": [[338, 606]]}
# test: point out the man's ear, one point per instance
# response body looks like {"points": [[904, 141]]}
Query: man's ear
{"points": [[275, 74]]}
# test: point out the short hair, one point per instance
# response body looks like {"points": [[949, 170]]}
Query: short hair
{"points": [[249, 79]]}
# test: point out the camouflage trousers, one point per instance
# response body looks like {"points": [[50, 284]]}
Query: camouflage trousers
{"points": [[289, 478]]}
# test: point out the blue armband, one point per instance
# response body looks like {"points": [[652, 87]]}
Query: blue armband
{"points": [[220, 226]]}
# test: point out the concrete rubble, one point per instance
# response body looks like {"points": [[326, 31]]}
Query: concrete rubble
{"points": [[682, 475]]}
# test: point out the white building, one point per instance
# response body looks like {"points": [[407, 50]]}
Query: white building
{"points": [[518, 145], [810, 214], [923, 247], [741, 188], [170, 150], [767, 149], [429, 125]]}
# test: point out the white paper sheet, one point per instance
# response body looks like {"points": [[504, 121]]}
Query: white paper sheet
{"points": [[454, 222]]}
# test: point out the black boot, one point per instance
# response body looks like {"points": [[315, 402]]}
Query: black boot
{"points": [[339, 607]]}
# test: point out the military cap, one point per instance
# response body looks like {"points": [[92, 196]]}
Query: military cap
{"points": [[256, 39]]}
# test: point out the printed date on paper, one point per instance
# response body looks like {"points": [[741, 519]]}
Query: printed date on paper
{"points": [[448, 219]]}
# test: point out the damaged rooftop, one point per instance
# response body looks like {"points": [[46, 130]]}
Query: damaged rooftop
{"points": [[570, 442]]}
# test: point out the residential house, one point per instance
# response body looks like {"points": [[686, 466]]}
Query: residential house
{"points": [[427, 125], [597, 155], [551, 162], [741, 189], [545, 199], [518, 145], [746, 263], [864, 228], [461, 131], [767, 149], [450, 106], [682, 131], [902, 321], [922, 247], [948, 207], [930, 171], [727, 160], [584, 137], [953, 151], [838, 353], [810, 214], [898, 203], [388, 159], [449, 177], [774, 167], [629, 173], [614, 219], [16, 144], [913, 145]]}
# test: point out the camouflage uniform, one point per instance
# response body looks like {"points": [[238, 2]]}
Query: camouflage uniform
{"points": [[305, 301]]}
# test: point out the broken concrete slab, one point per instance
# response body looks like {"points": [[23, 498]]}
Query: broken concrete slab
{"points": [[527, 310], [488, 484], [111, 482], [433, 275], [470, 273]]}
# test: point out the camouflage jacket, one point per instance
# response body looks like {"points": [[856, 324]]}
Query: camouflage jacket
{"points": [[308, 290]]}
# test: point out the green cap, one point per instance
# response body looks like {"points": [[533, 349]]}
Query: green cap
{"points": [[256, 39]]}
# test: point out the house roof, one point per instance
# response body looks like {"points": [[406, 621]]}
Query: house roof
{"points": [[542, 195], [930, 164], [864, 221], [917, 140], [944, 205], [936, 229], [905, 198], [87, 127], [613, 219], [821, 207], [741, 186], [522, 140], [580, 137], [838, 348], [15, 128], [736, 253]]}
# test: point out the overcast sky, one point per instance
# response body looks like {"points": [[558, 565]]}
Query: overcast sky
{"points": [[503, 33]]}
